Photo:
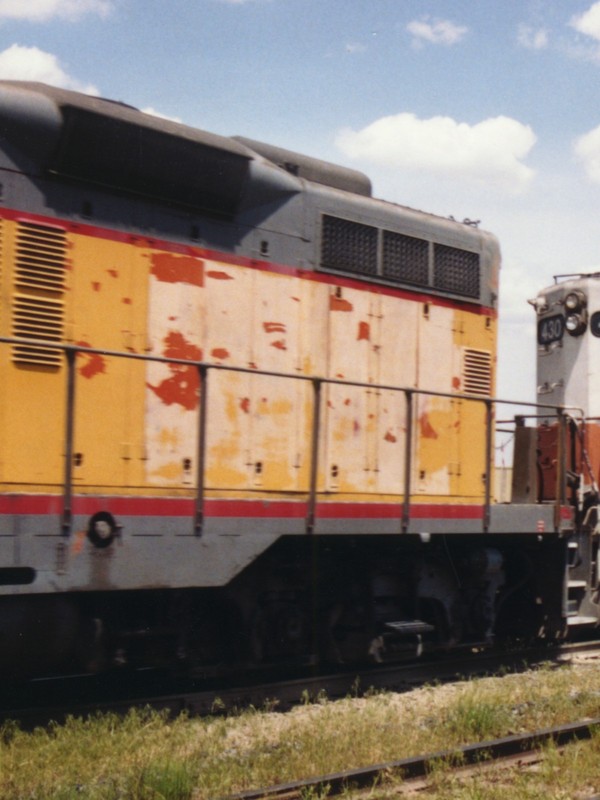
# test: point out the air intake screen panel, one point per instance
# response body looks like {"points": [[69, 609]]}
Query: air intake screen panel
{"points": [[405, 258], [348, 246], [456, 271], [143, 160]]}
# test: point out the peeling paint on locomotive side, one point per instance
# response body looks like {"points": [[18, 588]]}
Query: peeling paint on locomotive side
{"points": [[174, 268], [182, 387], [90, 364], [175, 330]]}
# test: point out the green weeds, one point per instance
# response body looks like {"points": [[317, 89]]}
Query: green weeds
{"points": [[148, 756]]}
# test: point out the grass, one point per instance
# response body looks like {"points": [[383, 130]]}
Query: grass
{"points": [[146, 756]]}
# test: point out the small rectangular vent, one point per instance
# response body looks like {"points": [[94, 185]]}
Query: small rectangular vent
{"points": [[38, 302], [477, 372], [405, 258], [456, 271], [348, 246]]}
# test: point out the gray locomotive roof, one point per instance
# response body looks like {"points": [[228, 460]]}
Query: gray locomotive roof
{"points": [[38, 117]]}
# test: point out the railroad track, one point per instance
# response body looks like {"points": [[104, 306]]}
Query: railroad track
{"points": [[510, 750], [55, 699]]}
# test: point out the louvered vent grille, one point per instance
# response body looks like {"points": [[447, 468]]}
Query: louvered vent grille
{"points": [[477, 372], [40, 257], [405, 258], [456, 271], [38, 303], [348, 246]]}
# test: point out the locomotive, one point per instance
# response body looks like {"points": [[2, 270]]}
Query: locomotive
{"points": [[247, 411]]}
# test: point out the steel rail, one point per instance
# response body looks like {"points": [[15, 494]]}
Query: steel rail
{"points": [[408, 769], [53, 698]]}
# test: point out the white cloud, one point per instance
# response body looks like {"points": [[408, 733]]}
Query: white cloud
{"points": [[32, 64], [489, 152], [43, 10], [588, 23], [587, 150], [531, 38], [438, 31]]}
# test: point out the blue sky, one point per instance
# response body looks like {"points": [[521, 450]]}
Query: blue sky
{"points": [[476, 109]]}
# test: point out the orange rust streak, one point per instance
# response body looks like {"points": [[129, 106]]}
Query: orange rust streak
{"points": [[338, 304], [220, 352], [279, 344], [245, 405], [364, 331], [171, 268], [389, 437], [274, 327], [427, 431], [96, 286], [113, 273], [219, 276]]}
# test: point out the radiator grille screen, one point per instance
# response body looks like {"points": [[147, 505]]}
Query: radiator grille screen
{"points": [[456, 271], [394, 257], [348, 246], [405, 258]]}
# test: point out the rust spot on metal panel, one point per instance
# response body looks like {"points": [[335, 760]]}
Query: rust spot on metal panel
{"points": [[219, 276], [279, 344], [296, 299], [183, 387], [96, 286], [252, 365], [427, 431], [347, 401], [94, 362], [356, 426], [245, 405], [113, 273], [172, 268], [456, 383], [389, 437], [220, 352], [364, 331], [274, 327], [339, 304], [126, 301]]}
